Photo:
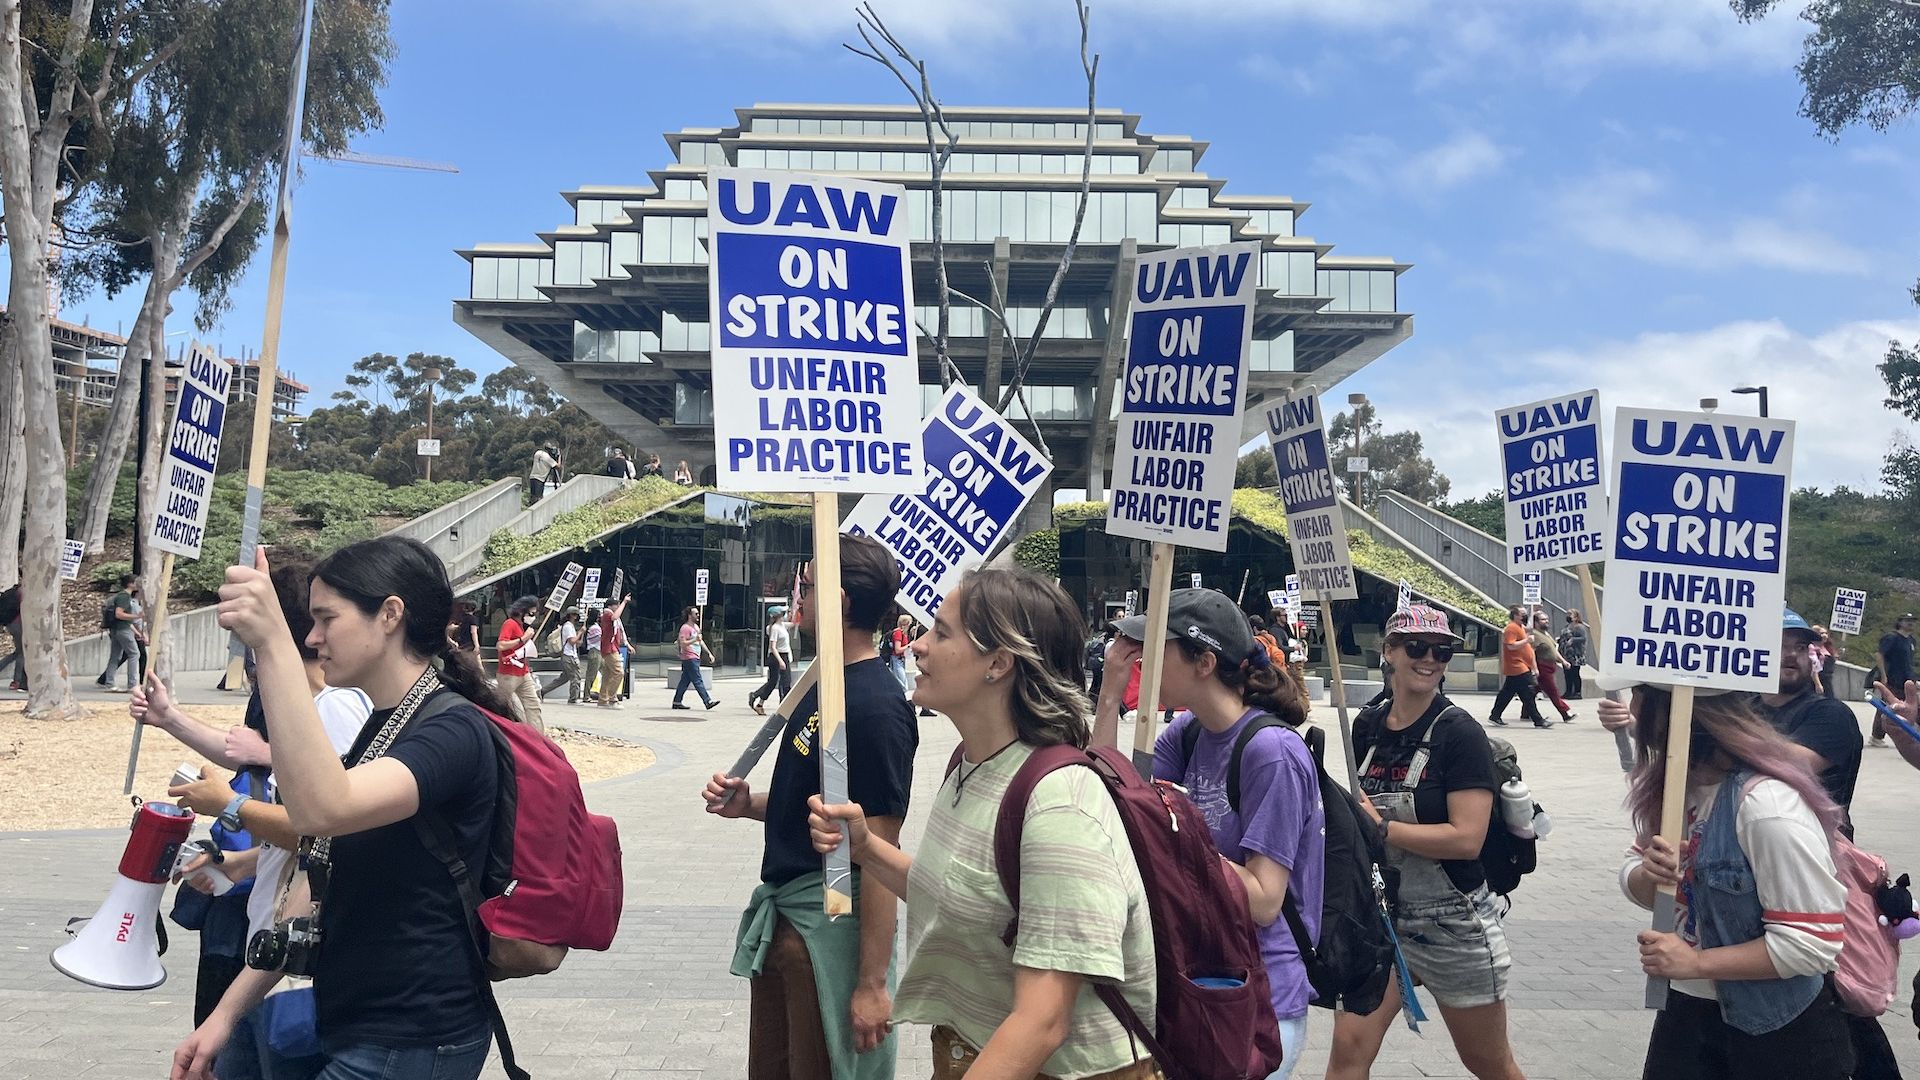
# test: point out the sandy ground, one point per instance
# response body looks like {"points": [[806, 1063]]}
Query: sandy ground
{"points": [[68, 775]]}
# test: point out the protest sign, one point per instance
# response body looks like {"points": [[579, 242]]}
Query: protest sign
{"points": [[811, 291], [1530, 589], [619, 584], [1553, 482], [1849, 611], [1405, 600], [981, 474], [700, 579], [590, 590], [563, 588], [1276, 598], [1177, 439], [193, 449], [1316, 530], [1310, 618], [1133, 601], [71, 554], [1194, 581], [1697, 565], [1293, 591]]}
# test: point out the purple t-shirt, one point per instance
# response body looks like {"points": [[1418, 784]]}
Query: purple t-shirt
{"points": [[1281, 818]]}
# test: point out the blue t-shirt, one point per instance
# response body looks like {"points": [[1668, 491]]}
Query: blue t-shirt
{"points": [[1280, 817]]}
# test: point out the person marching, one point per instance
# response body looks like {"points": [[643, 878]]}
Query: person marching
{"points": [[1002, 662], [399, 988], [613, 639], [1428, 776], [1574, 643], [779, 662], [590, 657], [1518, 668], [899, 640], [689, 646], [1547, 658], [821, 1000], [1272, 831], [570, 654], [515, 677], [1895, 656], [1760, 910]]}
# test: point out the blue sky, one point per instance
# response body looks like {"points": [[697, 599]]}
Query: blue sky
{"points": [[1595, 192]]}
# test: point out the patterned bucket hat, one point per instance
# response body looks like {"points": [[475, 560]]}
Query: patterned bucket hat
{"points": [[1420, 619]]}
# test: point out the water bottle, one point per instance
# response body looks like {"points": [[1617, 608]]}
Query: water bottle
{"points": [[1542, 823], [1516, 808]]}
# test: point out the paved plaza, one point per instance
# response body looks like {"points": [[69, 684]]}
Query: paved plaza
{"points": [[661, 1004]]}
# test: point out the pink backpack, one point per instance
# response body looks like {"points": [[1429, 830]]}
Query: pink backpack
{"points": [[552, 880], [1202, 929], [1870, 959]]}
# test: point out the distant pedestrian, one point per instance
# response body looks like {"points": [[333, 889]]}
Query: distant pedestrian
{"points": [[1574, 643], [122, 620], [1519, 672], [899, 640], [779, 654], [544, 473], [683, 474], [1896, 667], [1829, 658], [613, 637], [651, 467], [570, 653], [1547, 658], [463, 633], [689, 646], [10, 616], [1097, 662], [516, 681], [619, 466], [590, 656]]}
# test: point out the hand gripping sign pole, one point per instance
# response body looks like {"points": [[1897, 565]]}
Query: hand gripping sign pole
{"points": [[1190, 326], [1697, 562], [180, 521], [270, 345], [812, 291]]}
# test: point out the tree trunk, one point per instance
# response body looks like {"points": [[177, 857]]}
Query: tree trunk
{"points": [[152, 453], [13, 462], [98, 500]]}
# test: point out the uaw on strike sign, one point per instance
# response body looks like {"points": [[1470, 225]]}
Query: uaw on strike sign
{"points": [[1696, 574], [1554, 487], [815, 368], [980, 476], [193, 450], [1316, 530], [1179, 432]]}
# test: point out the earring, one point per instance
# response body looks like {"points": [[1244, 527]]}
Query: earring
{"points": [[989, 676]]}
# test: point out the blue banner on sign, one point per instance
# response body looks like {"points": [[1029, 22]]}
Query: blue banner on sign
{"points": [[1553, 462], [196, 433], [1306, 480], [803, 292], [1705, 518], [967, 501], [1198, 375]]}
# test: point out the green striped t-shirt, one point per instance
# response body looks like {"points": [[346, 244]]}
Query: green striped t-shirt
{"points": [[1082, 910]]}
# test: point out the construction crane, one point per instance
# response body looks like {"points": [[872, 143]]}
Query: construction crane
{"points": [[355, 157]]}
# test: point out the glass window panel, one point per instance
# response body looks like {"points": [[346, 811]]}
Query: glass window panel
{"points": [[1360, 291], [1053, 163], [1141, 215], [486, 279], [593, 261], [1063, 215], [544, 267], [655, 240], [1333, 283], [870, 160], [1003, 129], [891, 161], [1300, 272], [1022, 131], [988, 212], [896, 127], [919, 214], [566, 259], [809, 127], [1384, 290], [846, 159], [1006, 163], [1013, 215], [752, 157]]}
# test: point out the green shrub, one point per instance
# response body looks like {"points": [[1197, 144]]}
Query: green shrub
{"points": [[506, 550], [106, 575], [1039, 552]]}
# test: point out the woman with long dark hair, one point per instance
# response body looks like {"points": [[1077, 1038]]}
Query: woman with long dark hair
{"points": [[1759, 908], [399, 985], [1003, 663], [779, 655]]}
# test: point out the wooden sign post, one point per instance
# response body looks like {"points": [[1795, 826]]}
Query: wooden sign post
{"points": [[829, 659], [1673, 821], [1337, 689], [1152, 656]]}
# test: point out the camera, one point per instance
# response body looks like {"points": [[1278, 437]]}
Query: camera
{"points": [[291, 946]]}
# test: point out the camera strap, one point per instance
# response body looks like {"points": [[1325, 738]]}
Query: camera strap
{"points": [[318, 849]]}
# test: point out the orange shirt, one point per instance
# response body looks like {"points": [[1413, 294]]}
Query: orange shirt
{"points": [[1516, 661]]}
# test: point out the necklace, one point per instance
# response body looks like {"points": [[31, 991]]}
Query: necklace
{"points": [[961, 784]]}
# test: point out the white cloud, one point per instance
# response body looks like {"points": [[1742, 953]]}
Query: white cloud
{"points": [[1618, 210], [1376, 163], [1839, 440]]}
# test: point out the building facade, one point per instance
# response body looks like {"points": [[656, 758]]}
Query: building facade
{"points": [[610, 310]]}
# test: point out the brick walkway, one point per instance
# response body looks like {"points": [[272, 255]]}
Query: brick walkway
{"points": [[661, 1004]]}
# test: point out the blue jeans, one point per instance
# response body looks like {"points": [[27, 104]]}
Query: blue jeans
{"points": [[248, 1056], [898, 665], [1293, 1040], [458, 1059], [690, 676]]}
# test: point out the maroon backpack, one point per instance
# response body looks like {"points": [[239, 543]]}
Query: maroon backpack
{"points": [[1201, 926], [553, 878]]}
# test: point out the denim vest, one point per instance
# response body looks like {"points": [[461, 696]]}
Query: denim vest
{"points": [[1727, 905]]}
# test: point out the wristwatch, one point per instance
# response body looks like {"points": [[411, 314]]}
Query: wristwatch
{"points": [[230, 817]]}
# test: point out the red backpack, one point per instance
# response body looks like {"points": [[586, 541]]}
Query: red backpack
{"points": [[552, 880], [1201, 925]]}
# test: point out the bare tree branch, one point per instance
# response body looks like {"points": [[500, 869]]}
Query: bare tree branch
{"points": [[1023, 358], [950, 367], [219, 234], [932, 115]]}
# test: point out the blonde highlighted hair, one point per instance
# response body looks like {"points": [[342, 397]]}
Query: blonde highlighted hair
{"points": [[1037, 624]]}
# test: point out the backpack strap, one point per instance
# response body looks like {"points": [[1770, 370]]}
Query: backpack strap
{"points": [[437, 836], [1007, 829]]}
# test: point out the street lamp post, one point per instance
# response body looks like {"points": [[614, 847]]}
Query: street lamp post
{"points": [[432, 375], [1708, 404], [1356, 401], [1760, 391]]}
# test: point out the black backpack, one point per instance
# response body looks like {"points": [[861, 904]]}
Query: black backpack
{"points": [[107, 620], [9, 606], [1354, 960], [1504, 857]]}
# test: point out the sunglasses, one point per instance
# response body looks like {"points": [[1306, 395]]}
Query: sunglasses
{"points": [[1418, 650]]}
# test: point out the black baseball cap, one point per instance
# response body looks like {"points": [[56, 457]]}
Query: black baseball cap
{"points": [[1205, 617]]}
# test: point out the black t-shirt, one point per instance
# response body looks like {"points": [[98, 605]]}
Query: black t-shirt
{"points": [[1461, 760], [1898, 649], [464, 625], [882, 735], [1827, 728], [396, 965]]}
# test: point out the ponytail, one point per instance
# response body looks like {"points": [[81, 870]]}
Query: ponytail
{"points": [[462, 673], [1261, 683]]}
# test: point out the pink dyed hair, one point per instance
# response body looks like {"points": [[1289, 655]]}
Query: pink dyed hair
{"points": [[1735, 728]]}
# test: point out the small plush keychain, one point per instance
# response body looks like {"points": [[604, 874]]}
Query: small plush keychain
{"points": [[1895, 902]]}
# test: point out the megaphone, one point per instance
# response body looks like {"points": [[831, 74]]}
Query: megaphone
{"points": [[119, 948]]}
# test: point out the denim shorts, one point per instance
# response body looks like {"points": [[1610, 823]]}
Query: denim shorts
{"points": [[1456, 947]]}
